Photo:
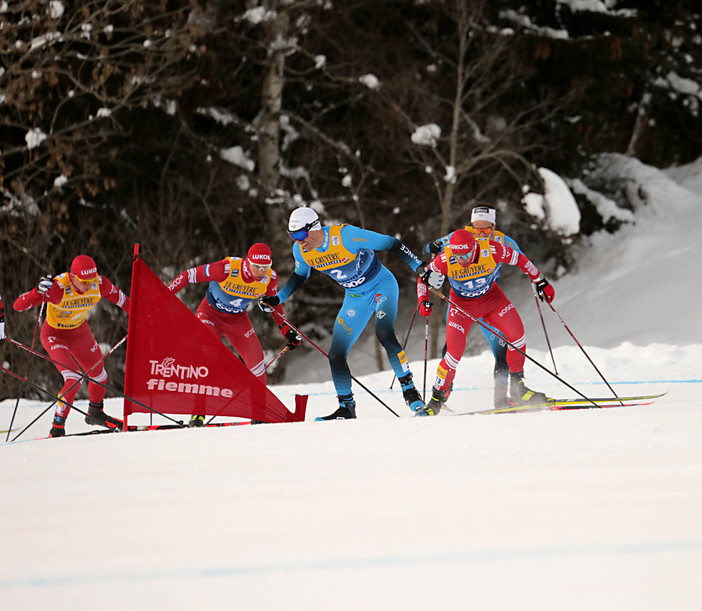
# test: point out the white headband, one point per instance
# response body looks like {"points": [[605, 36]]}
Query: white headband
{"points": [[483, 213]]}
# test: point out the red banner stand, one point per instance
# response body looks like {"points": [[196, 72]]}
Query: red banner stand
{"points": [[176, 365]]}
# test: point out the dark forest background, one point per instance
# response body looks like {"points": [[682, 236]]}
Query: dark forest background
{"points": [[193, 128]]}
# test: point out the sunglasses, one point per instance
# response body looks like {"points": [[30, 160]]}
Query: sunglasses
{"points": [[301, 234], [260, 266], [464, 257], [485, 231], [79, 280]]}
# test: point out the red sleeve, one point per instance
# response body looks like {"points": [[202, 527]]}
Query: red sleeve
{"points": [[33, 298], [271, 291], [27, 300], [110, 292], [216, 272], [422, 291], [505, 254], [439, 264]]}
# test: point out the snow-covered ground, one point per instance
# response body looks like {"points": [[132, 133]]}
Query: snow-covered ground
{"points": [[590, 509]]}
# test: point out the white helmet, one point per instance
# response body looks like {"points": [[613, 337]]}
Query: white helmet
{"points": [[483, 213], [303, 219]]}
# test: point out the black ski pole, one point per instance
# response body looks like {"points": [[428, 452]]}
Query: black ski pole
{"points": [[561, 380], [26, 370], [543, 324], [80, 381], [363, 386], [40, 389], [394, 375], [79, 372], [585, 353]]}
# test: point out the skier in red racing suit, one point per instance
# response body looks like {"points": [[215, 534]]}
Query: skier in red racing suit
{"points": [[471, 268], [233, 284], [68, 339]]}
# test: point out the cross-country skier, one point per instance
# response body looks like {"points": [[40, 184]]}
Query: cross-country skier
{"points": [[67, 337], [233, 284], [347, 254], [471, 266], [483, 219]]}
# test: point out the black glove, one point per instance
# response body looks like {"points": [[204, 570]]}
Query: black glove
{"points": [[434, 247], [294, 339], [545, 290], [267, 303]]}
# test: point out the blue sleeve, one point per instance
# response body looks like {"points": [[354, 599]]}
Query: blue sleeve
{"points": [[436, 246], [512, 244], [355, 238], [298, 277]]}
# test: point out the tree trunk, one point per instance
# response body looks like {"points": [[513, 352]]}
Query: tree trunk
{"points": [[269, 145]]}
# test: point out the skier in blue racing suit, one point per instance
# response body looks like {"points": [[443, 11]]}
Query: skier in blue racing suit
{"points": [[347, 254]]}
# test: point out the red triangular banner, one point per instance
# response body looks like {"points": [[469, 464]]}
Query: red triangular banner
{"points": [[175, 365]]}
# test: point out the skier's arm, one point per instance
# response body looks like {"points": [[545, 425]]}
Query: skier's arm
{"points": [[277, 311], [435, 246], [294, 282], [504, 254], [299, 276], [372, 240], [114, 294], [270, 303], [423, 296], [2, 320], [217, 272], [51, 291], [434, 273]]}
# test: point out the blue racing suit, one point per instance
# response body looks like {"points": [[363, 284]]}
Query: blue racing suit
{"points": [[347, 255]]}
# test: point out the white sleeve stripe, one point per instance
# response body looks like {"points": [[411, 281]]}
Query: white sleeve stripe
{"points": [[192, 274]]}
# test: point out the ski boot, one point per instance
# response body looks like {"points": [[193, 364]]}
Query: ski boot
{"points": [[196, 421], [97, 416], [409, 392], [501, 377], [448, 392], [520, 394], [438, 398], [346, 411], [58, 427]]}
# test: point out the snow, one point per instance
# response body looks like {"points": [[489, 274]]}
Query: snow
{"points": [[370, 80], [426, 135], [589, 509], [556, 206], [236, 156], [595, 6], [34, 137]]}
